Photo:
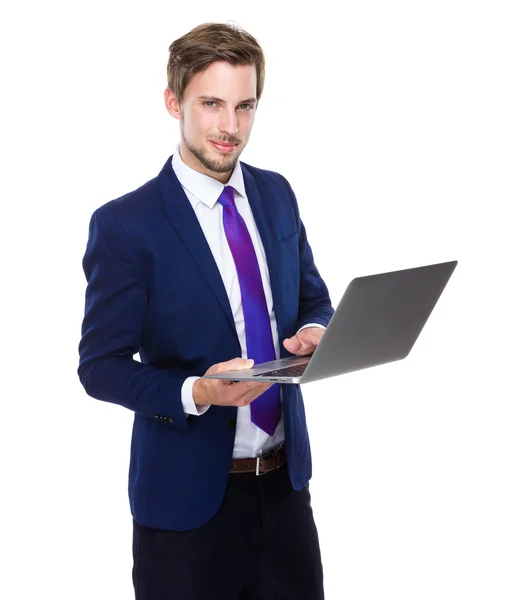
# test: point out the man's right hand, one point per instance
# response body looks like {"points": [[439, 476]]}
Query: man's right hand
{"points": [[224, 392]]}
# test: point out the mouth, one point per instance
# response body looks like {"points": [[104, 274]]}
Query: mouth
{"points": [[223, 146]]}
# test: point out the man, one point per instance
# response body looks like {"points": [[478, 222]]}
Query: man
{"points": [[203, 267]]}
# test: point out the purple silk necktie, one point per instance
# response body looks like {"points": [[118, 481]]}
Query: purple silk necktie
{"points": [[265, 410]]}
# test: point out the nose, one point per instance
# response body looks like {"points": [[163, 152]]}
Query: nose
{"points": [[228, 121]]}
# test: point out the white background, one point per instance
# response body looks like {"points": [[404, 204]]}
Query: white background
{"points": [[404, 129]]}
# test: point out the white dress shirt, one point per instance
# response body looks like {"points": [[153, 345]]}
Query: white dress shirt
{"points": [[203, 192]]}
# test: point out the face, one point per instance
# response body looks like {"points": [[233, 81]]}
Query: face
{"points": [[216, 114]]}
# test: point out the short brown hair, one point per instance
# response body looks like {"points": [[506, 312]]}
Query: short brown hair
{"points": [[208, 43]]}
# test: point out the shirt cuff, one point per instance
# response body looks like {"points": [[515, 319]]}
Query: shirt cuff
{"points": [[187, 399], [312, 325]]}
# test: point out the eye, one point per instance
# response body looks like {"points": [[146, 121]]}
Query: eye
{"points": [[248, 105], [209, 103]]}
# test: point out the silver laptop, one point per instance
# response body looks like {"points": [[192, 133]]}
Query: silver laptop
{"points": [[377, 321]]}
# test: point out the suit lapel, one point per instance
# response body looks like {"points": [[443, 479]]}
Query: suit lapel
{"points": [[182, 216]]}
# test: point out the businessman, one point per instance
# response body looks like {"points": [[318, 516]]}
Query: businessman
{"points": [[206, 268]]}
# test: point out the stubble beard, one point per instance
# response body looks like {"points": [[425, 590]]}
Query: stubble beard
{"points": [[222, 165]]}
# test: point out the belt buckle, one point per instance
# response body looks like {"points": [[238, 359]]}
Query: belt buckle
{"points": [[268, 455], [258, 458]]}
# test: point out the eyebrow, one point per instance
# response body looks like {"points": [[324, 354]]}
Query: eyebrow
{"points": [[223, 101]]}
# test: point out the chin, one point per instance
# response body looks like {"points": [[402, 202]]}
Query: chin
{"points": [[223, 161]]}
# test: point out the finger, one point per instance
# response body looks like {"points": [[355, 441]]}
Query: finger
{"points": [[301, 348], [245, 392], [241, 388], [238, 395], [292, 344], [308, 340], [253, 394], [307, 347], [235, 364]]}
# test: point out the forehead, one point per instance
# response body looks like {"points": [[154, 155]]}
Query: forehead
{"points": [[225, 81]]}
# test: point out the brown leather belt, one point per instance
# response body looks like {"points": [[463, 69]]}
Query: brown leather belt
{"points": [[260, 465]]}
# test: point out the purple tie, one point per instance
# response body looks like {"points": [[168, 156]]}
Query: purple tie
{"points": [[265, 410]]}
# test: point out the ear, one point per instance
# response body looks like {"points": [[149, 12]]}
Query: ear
{"points": [[172, 105]]}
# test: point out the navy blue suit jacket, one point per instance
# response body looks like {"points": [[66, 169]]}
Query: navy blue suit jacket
{"points": [[154, 288]]}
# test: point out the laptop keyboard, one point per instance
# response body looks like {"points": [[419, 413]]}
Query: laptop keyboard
{"points": [[292, 371]]}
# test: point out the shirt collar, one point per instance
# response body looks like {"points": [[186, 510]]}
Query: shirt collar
{"points": [[204, 188]]}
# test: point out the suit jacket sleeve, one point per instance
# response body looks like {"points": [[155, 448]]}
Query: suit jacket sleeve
{"points": [[314, 299], [115, 304]]}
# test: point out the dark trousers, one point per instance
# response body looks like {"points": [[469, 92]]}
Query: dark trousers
{"points": [[261, 545]]}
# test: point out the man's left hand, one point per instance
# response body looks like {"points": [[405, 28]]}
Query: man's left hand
{"points": [[304, 342]]}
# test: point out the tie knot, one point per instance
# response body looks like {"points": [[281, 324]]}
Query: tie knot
{"points": [[226, 198]]}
